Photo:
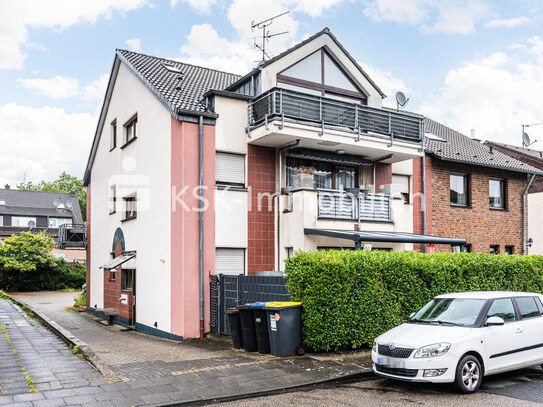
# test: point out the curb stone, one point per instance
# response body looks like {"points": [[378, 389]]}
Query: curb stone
{"points": [[72, 341]]}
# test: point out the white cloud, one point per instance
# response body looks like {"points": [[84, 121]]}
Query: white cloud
{"points": [[314, 8], [494, 95], [17, 16], [60, 87], [509, 23], [199, 6], [387, 82], [57, 87], [449, 16], [134, 44], [43, 142]]}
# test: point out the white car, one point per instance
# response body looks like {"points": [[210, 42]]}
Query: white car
{"points": [[459, 338]]}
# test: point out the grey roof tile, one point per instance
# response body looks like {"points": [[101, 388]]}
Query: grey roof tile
{"points": [[183, 85], [38, 203]]}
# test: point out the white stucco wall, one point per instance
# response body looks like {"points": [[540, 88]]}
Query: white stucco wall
{"points": [[142, 167], [535, 222]]}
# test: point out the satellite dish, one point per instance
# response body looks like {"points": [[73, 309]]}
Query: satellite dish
{"points": [[525, 139], [401, 100], [69, 204], [56, 202]]}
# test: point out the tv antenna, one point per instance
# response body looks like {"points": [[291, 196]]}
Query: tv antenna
{"points": [[266, 34], [401, 100], [526, 142]]}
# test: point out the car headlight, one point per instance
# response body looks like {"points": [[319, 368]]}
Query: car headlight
{"points": [[431, 351], [374, 347]]}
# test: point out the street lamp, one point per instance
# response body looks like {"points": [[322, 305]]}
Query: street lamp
{"points": [[525, 138]]}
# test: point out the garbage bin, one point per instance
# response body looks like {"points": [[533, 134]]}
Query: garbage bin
{"points": [[285, 328], [261, 327], [235, 327], [247, 327]]}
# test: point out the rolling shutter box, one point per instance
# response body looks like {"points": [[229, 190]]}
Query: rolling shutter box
{"points": [[230, 168], [230, 261]]}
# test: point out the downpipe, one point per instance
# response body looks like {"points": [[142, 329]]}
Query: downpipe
{"points": [[524, 250], [201, 217]]}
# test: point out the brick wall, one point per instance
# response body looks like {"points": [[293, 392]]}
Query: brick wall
{"points": [[479, 225], [261, 180], [418, 199], [383, 175], [112, 290]]}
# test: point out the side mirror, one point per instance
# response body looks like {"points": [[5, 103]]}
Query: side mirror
{"points": [[411, 316], [494, 321]]}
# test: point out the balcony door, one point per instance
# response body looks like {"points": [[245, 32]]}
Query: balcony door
{"points": [[327, 175]]}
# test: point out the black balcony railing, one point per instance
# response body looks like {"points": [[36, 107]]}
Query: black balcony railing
{"points": [[287, 105], [72, 236]]}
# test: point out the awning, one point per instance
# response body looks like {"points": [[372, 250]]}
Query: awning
{"points": [[330, 156], [387, 237], [117, 261]]}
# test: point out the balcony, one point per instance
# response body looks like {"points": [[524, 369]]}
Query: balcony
{"points": [[334, 204], [358, 121], [72, 236]]}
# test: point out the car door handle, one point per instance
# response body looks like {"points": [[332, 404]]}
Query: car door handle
{"points": [[518, 330]]}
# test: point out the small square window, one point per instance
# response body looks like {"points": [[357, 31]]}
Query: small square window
{"points": [[131, 207], [509, 250], [127, 279], [112, 275], [113, 135], [459, 187], [496, 193], [494, 249]]}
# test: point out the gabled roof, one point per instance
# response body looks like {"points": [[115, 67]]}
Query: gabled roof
{"points": [[39, 203], [324, 31], [460, 148], [179, 85], [528, 152], [455, 146]]}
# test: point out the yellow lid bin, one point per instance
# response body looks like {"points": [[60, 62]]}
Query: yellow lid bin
{"points": [[282, 304]]}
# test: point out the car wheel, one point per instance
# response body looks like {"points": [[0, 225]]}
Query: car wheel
{"points": [[469, 374]]}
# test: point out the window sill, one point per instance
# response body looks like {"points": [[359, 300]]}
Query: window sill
{"points": [[111, 149], [499, 209], [130, 218], [126, 290], [461, 206], [112, 213], [112, 281], [232, 187], [128, 142]]}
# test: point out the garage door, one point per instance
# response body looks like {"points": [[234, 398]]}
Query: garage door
{"points": [[230, 261]]}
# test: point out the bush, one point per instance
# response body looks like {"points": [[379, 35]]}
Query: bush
{"points": [[351, 297], [26, 264]]}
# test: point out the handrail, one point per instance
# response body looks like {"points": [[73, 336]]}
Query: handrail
{"points": [[330, 113], [339, 204]]}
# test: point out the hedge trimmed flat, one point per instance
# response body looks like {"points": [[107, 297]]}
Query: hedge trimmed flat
{"points": [[459, 338]]}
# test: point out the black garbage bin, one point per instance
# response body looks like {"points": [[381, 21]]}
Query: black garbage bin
{"points": [[235, 327], [247, 327], [261, 327], [285, 328]]}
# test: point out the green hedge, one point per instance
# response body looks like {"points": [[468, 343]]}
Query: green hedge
{"points": [[351, 297], [62, 276]]}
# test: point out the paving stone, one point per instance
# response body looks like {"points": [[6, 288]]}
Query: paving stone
{"points": [[156, 399], [87, 398], [28, 397], [49, 403]]}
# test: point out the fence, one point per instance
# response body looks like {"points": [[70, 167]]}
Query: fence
{"points": [[230, 291]]}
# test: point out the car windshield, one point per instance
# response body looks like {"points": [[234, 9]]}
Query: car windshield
{"points": [[449, 311]]}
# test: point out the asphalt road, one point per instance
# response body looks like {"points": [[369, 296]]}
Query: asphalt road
{"points": [[520, 388]]}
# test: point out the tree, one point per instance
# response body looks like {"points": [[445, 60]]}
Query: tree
{"points": [[66, 183]]}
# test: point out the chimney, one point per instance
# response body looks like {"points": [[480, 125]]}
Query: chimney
{"points": [[491, 150], [472, 132], [7, 186]]}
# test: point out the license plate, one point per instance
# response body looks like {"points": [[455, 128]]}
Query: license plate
{"points": [[390, 362]]}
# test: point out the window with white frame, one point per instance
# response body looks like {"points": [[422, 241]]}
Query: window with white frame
{"points": [[57, 222], [400, 185], [113, 135], [496, 193], [131, 210], [23, 221], [131, 129], [112, 199], [230, 168], [229, 261]]}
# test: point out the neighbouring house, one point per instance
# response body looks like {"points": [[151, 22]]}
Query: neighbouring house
{"points": [[56, 214], [194, 172], [535, 193], [473, 191]]}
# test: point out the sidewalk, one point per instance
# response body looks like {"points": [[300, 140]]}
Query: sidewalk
{"points": [[152, 370]]}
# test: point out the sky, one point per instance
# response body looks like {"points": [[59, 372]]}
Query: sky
{"points": [[470, 64]]}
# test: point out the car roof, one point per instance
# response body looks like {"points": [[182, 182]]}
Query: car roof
{"points": [[486, 295]]}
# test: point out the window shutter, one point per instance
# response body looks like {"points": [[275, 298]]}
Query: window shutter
{"points": [[401, 182], [230, 261], [230, 168]]}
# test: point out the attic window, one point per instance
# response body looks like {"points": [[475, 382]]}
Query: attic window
{"points": [[172, 68], [2, 202]]}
